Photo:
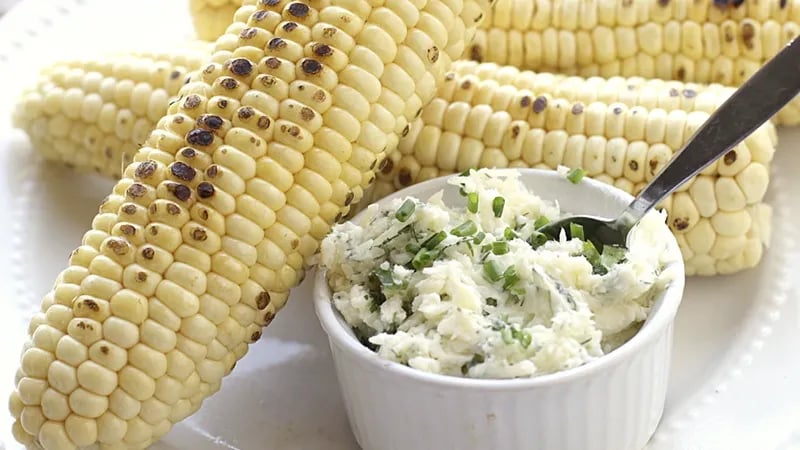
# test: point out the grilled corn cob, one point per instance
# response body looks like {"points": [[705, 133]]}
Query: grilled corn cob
{"points": [[197, 246], [94, 114], [701, 41], [633, 91], [487, 79], [718, 217], [134, 91], [212, 17]]}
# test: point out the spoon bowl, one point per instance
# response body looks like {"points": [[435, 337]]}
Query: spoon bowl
{"points": [[600, 231]]}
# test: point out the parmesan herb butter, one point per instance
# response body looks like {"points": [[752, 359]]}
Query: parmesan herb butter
{"points": [[472, 289]]}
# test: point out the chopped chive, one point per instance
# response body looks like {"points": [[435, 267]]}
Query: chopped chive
{"points": [[593, 256], [405, 211], [591, 253], [434, 240], [576, 175], [492, 271], [525, 339], [479, 237], [462, 192], [510, 277], [537, 239], [465, 173], [422, 259], [497, 206], [509, 234], [375, 285], [515, 333], [472, 202], [412, 247], [500, 247], [540, 222], [491, 301], [576, 231], [467, 228]]}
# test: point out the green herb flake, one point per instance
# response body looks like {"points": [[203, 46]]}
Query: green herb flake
{"points": [[405, 211], [509, 234], [576, 175], [540, 222], [500, 247], [422, 259], [612, 255], [498, 204], [412, 247], [434, 240], [466, 172], [576, 231], [593, 256], [510, 277], [479, 238], [537, 239], [472, 202], [491, 301], [492, 271], [467, 228], [375, 289]]}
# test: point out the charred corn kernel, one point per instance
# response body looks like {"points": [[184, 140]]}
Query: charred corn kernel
{"points": [[624, 144], [222, 208], [691, 41], [110, 104]]}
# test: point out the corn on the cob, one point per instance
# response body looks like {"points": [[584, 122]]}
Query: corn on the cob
{"points": [[135, 89], [701, 41], [215, 220], [718, 217], [649, 93], [211, 18], [94, 114], [487, 79]]}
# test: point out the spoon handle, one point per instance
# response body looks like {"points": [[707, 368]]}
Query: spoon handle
{"points": [[755, 102]]}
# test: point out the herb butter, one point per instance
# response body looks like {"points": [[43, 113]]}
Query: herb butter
{"points": [[472, 289]]}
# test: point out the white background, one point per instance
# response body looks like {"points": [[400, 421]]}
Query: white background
{"points": [[736, 374]]}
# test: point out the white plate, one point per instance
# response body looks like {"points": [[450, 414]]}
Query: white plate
{"points": [[736, 370]]}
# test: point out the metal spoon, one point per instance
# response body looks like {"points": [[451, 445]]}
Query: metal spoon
{"points": [[755, 102]]}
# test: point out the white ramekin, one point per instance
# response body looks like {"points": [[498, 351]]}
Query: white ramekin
{"points": [[612, 403]]}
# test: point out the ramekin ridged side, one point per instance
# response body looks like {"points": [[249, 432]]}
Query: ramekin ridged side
{"points": [[612, 403], [611, 407]]}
